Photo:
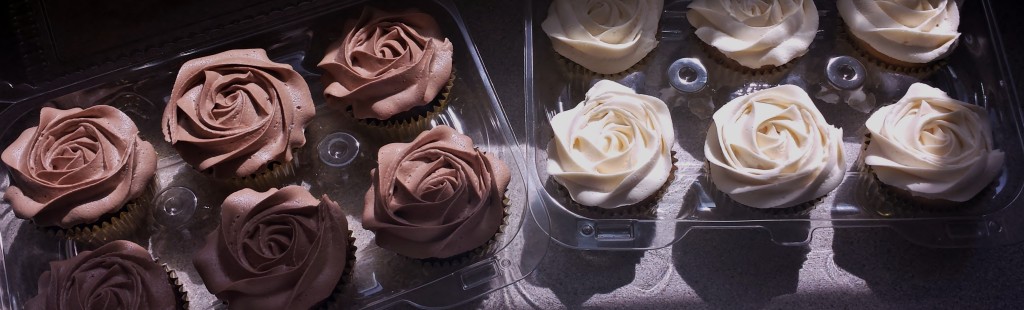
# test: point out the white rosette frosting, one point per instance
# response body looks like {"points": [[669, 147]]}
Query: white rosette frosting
{"points": [[773, 149], [911, 31], [604, 36], [756, 34], [614, 148], [933, 146]]}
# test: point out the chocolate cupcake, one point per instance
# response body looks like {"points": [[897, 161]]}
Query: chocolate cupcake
{"points": [[754, 38], [613, 151], [279, 249], [118, 275], [605, 37], [391, 69], [905, 36], [931, 150], [437, 197], [239, 117], [82, 174], [772, 149]]}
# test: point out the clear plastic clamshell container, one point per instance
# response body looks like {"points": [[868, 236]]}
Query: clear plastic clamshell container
{"points": [[844, 86], [336, 160]]}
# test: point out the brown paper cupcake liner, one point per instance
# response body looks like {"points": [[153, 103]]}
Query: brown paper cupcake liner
{"points": [[891, 201], [414, 121], [574, 69], [134, 215], [179, 288], [868, 54], [474, 254], [333, 301], [729, 70], [644, 209], [271, 175], [723, 198]]}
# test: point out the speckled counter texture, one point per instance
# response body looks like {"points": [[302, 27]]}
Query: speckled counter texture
{"points": [[850, 268]]}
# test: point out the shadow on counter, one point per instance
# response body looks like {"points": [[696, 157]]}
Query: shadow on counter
{"points": [[900, 272], [737, 268]]}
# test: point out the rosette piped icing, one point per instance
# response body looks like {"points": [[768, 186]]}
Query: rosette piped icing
{"points": [[387, 63], [118, 275], [911, 31], [604, 36], [77, 165], [756, 34], [614, 148], [234, 113], [279, 249], [933, 146], [435, 197], [773, 149]]}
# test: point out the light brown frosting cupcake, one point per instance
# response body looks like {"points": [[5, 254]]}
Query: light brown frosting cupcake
{"points": [[387, 63], [235, 112], [77, 165], [435, 197]]}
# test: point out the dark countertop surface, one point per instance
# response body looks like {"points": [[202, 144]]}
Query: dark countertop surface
{"points": [[713, 269]]}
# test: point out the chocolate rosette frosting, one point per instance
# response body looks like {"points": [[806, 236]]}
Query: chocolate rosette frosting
{"points": [[118, 275], [77, 166], [279, 249], [234, 113], [435, 197], [387, 63]]}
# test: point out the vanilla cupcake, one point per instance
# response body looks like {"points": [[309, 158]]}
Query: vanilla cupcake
{"points": [[392, 69], [613, 150], [82, 174], [603, 36], [773, 149], [239, 117], [755, 36], [933, 148], [905, 34]]}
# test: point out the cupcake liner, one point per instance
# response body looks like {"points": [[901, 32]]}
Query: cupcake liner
{"points": [[574, 69], [134, 215], [474, 254], [644, 209], [179, 287], [331, 302], [866, 53], [723, 199], [891, 201], [728, 70], [269, 176], [414, 121]]}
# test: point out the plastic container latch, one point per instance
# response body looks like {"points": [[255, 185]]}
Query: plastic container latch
{"points": [[175, 206], [845, 72], [338, 149], [687, 75]]}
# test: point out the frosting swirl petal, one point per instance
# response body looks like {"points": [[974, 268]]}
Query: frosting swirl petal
{"points": [[773, 149], [614, 148], [912, 31], [756, 33], [279, 249], [387, 63], [605, 36], [235, 112], [77, 165], [435, 197], [118, 275], [933, 146]]}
